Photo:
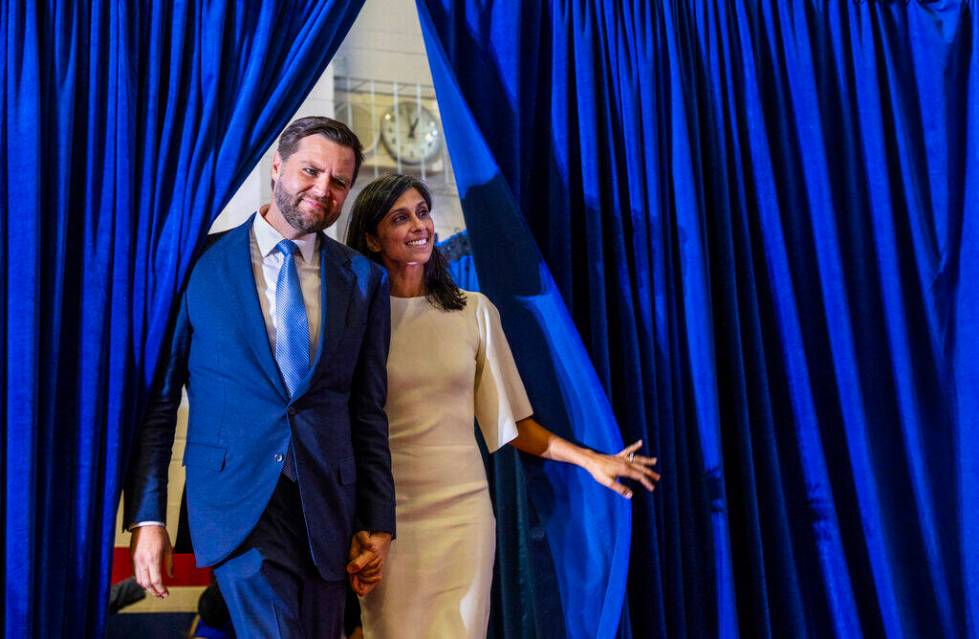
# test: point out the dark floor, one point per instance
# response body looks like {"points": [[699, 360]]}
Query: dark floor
{"points": [[172, 625]]}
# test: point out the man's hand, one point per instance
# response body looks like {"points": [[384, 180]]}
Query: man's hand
{"points": [[368, 552], [151, 550]]}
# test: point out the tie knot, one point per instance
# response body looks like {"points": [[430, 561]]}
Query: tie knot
{"points": [[287, 247]]}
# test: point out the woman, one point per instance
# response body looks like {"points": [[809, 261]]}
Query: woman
{"points": [[448, 357]]}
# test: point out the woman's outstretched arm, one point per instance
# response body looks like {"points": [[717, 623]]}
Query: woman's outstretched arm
{"points": [[534, 439]]}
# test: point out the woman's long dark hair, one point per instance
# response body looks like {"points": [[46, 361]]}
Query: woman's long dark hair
{"points": [[370, 207]]}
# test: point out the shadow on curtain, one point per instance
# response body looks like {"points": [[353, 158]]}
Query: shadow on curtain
{"points": [[125, 129], [762, 218]]}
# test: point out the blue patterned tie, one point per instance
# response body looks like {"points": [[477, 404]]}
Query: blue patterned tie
{"points": [[291, 323], [291, 331]]}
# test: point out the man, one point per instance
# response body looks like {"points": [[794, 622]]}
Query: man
{"points": [[282, 339]]}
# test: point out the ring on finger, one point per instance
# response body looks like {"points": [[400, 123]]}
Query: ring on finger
{"points": [[632, 456]]}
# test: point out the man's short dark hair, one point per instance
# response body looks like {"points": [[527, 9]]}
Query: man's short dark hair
{"points": [[327, 127]]}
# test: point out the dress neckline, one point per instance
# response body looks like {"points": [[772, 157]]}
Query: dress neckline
{"points": [[408, 302]]}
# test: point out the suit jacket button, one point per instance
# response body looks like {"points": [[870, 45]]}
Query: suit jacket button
{"points": [[279, 457], [292, 410]]}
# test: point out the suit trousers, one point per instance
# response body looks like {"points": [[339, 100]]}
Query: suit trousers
{"points": [[270, 583]]}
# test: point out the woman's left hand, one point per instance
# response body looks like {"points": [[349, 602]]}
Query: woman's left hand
{"points": [[607, 469]]}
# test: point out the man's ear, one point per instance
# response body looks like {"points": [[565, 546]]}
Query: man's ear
{"points": [[276, 165]]}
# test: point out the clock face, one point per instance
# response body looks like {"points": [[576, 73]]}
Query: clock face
{"points": [[411, 133]]}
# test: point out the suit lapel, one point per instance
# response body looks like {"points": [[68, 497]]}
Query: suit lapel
{"points": [[245, 305], [336, 284]]}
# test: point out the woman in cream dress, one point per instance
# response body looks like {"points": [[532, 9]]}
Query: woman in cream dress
{"points": [[449, 360]]}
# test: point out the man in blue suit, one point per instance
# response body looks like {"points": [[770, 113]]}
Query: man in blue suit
{"points": [[281, 340]]}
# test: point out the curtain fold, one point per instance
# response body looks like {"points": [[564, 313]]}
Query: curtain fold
{"points": [[563, 540], [125, 129], [761, 219], [526, 601]]}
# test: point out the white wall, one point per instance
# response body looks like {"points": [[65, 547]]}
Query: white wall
{"points": [[385, 44]]}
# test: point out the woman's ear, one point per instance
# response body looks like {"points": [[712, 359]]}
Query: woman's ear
{"points": [[372, 243]]}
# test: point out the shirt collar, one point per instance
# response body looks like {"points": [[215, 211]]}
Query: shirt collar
{"points": [[268, 238]]}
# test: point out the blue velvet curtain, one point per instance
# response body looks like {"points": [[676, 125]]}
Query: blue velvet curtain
{"points": [[763, 220], [125, 127], [563, 540]]}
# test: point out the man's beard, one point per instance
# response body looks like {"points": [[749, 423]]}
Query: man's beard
{"points": [[288, 205]]}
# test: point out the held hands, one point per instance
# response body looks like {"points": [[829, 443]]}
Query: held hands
{"points": [[367, 555], [150, 550], [607, 469]]}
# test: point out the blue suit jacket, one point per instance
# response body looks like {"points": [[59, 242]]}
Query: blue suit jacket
{"points": [[242, 418]]}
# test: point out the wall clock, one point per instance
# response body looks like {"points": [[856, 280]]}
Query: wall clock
{"points": [[410, 133]]}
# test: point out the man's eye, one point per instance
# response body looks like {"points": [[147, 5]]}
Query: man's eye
{"points": [[309, 171]]}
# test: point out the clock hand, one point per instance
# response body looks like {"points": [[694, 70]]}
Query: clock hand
{"points": [[411, 131]]}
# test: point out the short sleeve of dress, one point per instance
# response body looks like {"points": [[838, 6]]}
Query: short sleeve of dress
{"points": [[500, 398]]}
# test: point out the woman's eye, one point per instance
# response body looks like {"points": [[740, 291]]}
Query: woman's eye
{"points": [[423, 213]]}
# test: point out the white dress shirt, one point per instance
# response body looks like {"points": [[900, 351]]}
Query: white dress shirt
{"points": [[266, 262]]}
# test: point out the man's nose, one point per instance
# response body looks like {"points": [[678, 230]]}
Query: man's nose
{"points": [[321, 186]]}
